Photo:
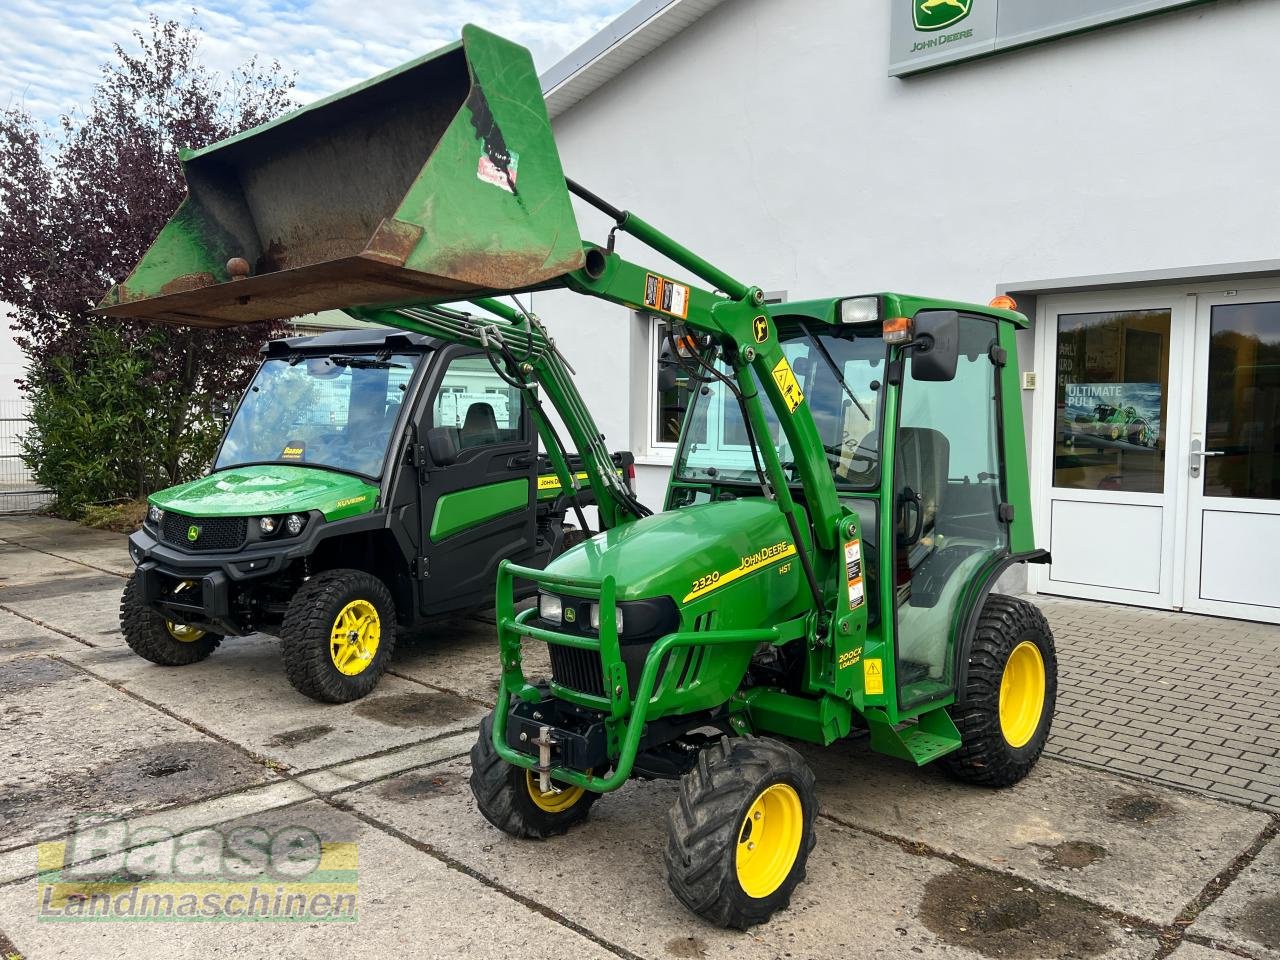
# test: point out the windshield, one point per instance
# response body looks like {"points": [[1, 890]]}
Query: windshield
{"points": [[715, 446], [336, 411]]}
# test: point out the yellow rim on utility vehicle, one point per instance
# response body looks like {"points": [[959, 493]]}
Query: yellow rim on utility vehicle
{"points": [[183, 633], [769, 840], [552, 802], [1022, 694], [357, 631]]}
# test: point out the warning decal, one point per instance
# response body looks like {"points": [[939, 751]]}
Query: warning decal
{"points": [[500, 176], [788, 384], [666, 295], [873, 676], [853, 571]]}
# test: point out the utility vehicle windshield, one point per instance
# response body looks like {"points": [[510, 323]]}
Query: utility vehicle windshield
{"points": [[336, 411], [846, 408]]}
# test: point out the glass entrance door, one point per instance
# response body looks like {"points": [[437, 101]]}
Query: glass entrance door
{"points": [[1233, 462]]}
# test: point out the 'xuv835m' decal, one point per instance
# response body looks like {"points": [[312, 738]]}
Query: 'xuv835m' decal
{"points": [[748, 564]]}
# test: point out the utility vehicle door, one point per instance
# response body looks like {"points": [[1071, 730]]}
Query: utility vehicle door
{"points": [[480, 486]]}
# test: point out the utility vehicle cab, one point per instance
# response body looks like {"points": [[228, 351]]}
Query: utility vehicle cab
{"points": [[354, 460]]}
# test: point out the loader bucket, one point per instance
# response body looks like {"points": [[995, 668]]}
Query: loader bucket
{"points": [[439, 180]]}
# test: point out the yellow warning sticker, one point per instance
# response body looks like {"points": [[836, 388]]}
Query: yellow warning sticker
{"points": [[788, 384], [873, 676]]}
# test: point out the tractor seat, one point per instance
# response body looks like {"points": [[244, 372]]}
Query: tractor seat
{"points": [[924, 455], [480, 426]]}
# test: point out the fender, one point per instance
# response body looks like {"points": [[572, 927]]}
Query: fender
{"points": [[970, 624]]}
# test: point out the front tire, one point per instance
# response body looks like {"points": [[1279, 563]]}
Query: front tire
{"points": [[1006, 712], [338, 635], [508, 796], [157, 639], [740, 832]]}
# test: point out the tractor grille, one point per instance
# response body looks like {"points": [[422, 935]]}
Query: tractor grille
{"points": [[577, 669], [214, 533]]}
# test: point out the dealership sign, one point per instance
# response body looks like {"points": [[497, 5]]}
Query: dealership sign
{"points": [[931, 33]]}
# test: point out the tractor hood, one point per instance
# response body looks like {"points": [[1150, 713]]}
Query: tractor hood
{"points": [[270, 488], [686, 553]]}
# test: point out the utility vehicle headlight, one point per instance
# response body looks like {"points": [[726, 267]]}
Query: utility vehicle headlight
{"points": [[155, 514], [267, 525], [594, 614], [550, 608], [294, 524]]}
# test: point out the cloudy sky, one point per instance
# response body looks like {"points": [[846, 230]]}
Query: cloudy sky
{"points": [[53, 48]]}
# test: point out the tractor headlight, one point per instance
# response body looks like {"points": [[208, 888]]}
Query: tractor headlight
{"points": [[860, 310], [155, 514], [594, 615], [294, 524], [550, 608], [267, 525]]}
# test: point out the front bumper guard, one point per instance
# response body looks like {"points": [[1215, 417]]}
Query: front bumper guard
{"points": [[627, 710]]}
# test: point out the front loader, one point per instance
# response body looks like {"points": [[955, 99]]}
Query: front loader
{"points": [[850, 481]]}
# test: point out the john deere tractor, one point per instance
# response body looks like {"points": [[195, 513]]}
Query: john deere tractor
{"points": [[851, 478]]}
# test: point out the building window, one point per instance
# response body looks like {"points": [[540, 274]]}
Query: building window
{"points": [[1112, 399], [666, 408]]}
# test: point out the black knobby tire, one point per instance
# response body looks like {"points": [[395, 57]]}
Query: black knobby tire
{"points": [[986, 757], [503, 798], [307, 630], [705, 825], [147, 633]]}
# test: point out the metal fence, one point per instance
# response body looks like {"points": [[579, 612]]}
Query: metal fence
{"points": [[19, 493]]}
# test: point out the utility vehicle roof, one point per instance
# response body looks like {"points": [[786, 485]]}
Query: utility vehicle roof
{"points": [[894, 305], [370, 338]]}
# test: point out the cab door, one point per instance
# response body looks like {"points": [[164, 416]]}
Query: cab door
{"points": [[479, 509]]}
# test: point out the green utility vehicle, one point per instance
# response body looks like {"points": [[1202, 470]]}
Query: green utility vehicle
{"points": [[851, 478], [369, 480]]}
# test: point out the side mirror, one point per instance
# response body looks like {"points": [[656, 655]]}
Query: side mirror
{"points": [[936, 348], [442, 447]]}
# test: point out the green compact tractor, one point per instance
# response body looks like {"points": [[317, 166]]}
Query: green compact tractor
{"points": [[850, 483], [369, 480]]}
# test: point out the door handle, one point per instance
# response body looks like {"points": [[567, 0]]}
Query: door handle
{"points": [[1198, 453], [520, 461]]}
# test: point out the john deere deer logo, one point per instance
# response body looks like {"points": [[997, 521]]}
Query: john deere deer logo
{"points": [[193, 533], [936, 14]]}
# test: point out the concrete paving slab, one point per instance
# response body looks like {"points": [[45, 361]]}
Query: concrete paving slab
{"points": [[241, 693], [863, 897], [1246, 916], [461, 654], [101, 548], [21, 862], [377, 768], [20, 637], [73, 746], [410, 905], [1143, 850], [1195, 951], [64, 595]]}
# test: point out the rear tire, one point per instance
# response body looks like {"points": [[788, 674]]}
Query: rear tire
{"points": [[1006, 712], [740, 832], [338, 635], [157, 639], [505, 795]]}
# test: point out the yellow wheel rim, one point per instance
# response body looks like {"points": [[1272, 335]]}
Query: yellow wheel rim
{"points": [[552, 802], [1022, 694], [182, 632], [769, 840], [354, 642]]}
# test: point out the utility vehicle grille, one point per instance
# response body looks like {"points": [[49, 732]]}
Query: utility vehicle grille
{"points": [[213, 533], [577, 669]]}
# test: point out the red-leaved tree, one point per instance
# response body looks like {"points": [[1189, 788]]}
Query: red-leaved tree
{"points": [[78, 207]]}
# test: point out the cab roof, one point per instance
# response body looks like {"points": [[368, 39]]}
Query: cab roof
{"points": [[369, 338], [894, 305]]}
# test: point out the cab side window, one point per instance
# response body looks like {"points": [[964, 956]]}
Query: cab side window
{"points": [[478, 405]]}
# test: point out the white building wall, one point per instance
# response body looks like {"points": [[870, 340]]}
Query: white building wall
{"points": [[768, 137]]}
